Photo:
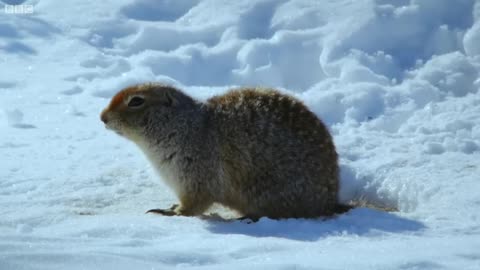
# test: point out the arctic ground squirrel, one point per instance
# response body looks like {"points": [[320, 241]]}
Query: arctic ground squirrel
{"points": [[254, 150]]}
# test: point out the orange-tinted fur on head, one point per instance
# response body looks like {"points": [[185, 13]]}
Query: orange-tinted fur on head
{"points": [[118, 99]]}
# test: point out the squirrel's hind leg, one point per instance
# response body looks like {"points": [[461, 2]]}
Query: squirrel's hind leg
{"points": [[249, 219]]}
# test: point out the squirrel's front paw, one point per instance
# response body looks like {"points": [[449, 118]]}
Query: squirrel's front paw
{"points": [[166, 212]]}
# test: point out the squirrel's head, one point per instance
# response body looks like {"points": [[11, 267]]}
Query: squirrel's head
{"points": [[134, 108]]}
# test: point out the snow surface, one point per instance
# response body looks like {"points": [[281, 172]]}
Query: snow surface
{"points": [[397, 82]]}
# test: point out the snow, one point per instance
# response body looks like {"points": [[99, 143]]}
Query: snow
{"points": [[397, 83]]}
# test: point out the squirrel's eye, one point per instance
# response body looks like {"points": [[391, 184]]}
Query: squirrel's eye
{"points": [[136, 102]]}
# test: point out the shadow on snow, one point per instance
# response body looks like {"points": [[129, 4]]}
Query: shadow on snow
{"points": [[361, 221]]}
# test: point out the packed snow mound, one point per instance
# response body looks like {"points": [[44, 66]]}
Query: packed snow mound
{"points": [[396, 81]]}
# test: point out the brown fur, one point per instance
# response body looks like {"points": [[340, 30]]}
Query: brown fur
{"points": [[257, 151]]}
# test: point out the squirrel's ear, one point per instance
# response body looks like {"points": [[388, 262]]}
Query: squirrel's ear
{"points": [[170, 99]]}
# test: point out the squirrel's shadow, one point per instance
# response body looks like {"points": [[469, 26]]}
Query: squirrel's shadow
{"points": [[360, 221]]}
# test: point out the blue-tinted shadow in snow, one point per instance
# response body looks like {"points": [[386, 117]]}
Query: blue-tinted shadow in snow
{"points": [[360, 221]]}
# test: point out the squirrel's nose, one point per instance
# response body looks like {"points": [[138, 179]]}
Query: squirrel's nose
{"points": [[103, 117]]}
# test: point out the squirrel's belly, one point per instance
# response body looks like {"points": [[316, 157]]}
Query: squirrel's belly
{"points": [[170, 176]]}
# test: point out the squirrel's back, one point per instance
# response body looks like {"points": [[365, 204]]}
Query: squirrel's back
{"points": [[268, 108]]}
